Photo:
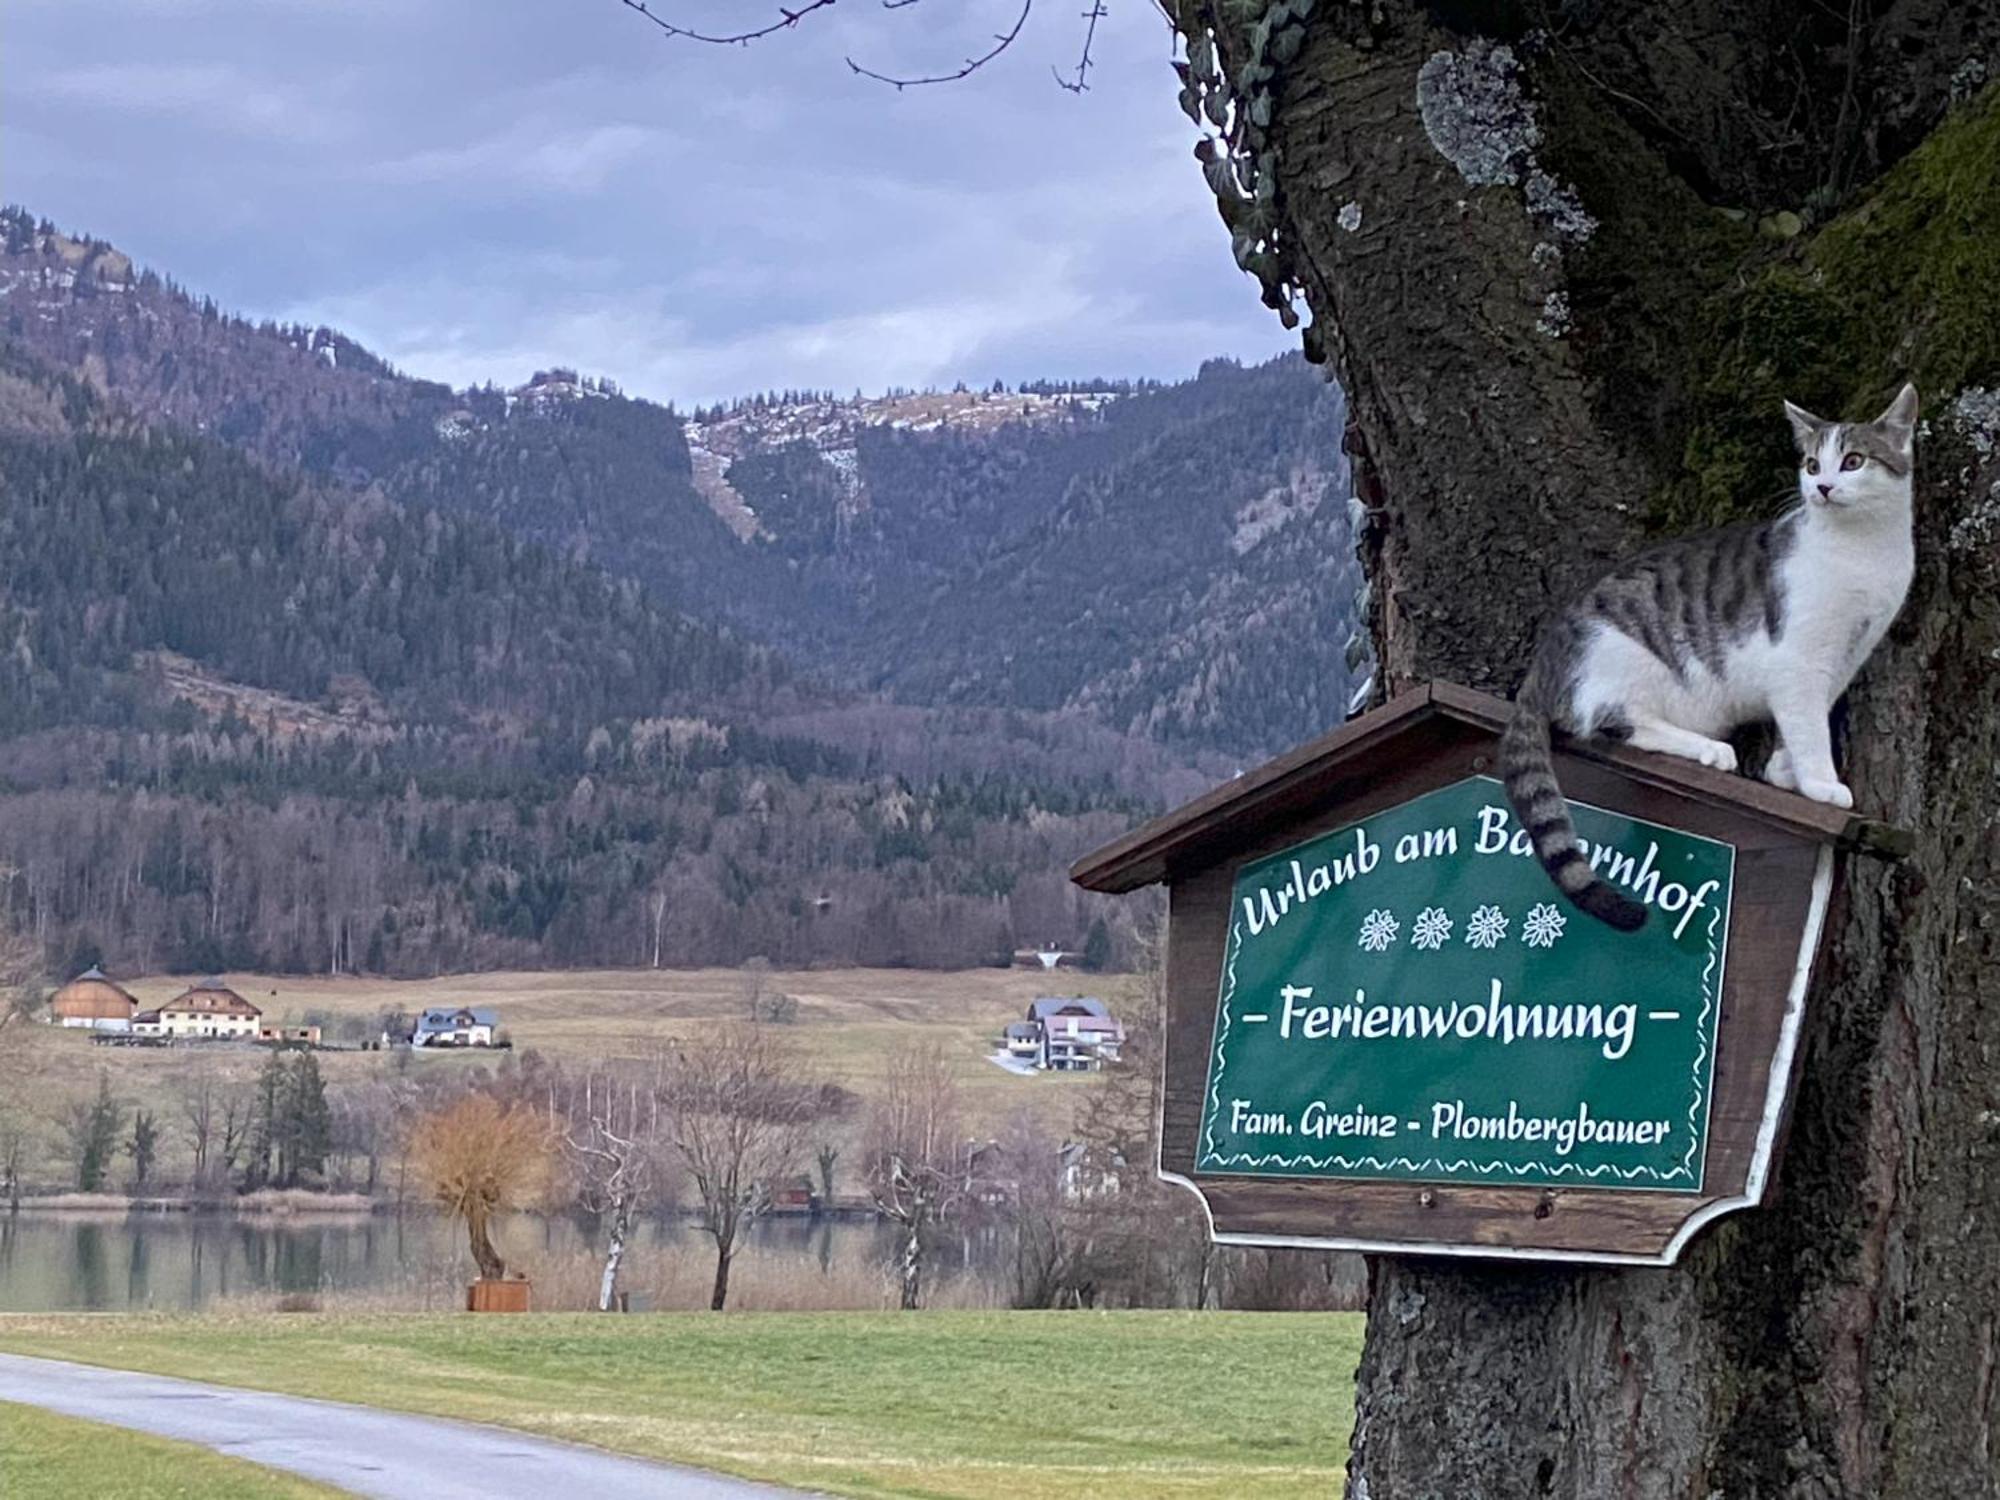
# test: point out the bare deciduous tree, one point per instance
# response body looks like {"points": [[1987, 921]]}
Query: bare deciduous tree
{"points": [[754, 981], [20, 961], [1046, 1252], [739, 1109], [613, 1157], [919, 1166], [237, 1109], [13, 1149], [202, 1106], [477, 1158], [825, 1157], [20, 968], [143, 1146]]}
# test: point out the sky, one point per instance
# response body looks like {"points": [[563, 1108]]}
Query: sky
{"points": [[476, 191]]}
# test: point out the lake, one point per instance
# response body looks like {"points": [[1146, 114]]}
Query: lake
{"points": [[175, 1262]]}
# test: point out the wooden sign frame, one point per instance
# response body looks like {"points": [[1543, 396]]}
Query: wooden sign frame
{"points": [[1426, 739]]}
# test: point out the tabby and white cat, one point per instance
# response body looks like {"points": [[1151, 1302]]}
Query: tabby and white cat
{"points": [[1687, 642]]}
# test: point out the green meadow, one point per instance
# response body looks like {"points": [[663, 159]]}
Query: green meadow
{"points": [[969, 1405], [47, 1457]]}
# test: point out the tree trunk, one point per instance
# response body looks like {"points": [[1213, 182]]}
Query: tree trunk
{"points": [[913, 1263], [1566, 263], [719, 1293], [491, 1266], [607, 1289]]}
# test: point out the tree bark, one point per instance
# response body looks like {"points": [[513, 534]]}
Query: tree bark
{"points": [[1564, 284], [719, 1293], [913, 1264], [607, 1290], [491, 1266]]}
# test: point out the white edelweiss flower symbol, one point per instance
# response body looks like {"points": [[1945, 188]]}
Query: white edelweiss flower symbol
{"points": [[1542, 926], [1378, 931], [1486, 927], [1431, 929]]}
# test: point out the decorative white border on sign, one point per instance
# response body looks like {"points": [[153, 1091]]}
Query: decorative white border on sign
{"points": [[1687, 1177], [1754, 1184]]}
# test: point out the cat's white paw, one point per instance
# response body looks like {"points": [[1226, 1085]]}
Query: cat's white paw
{"points": [[1778, 770], [1834, 792], [1718, 754]]}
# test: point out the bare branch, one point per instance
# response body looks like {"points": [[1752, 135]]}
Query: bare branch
{"points": [[1001, 42], [787, 18], [739, 1108], [1080, 83]]}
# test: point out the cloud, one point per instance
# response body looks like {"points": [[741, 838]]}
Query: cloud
{"points": [[541, 158], [476, 191], [208, 95]]}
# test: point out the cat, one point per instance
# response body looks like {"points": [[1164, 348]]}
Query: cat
{"points": [[1699, 636]]}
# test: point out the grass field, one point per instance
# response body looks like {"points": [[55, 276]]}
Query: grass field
{"points": [[974, 1406], [848, 1020], [46, 1457]]}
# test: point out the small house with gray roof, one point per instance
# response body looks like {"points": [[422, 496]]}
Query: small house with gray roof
{"points": [[463, 1026]]}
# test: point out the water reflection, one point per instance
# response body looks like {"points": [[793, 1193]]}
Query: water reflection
{"points": [[182, 1261]]}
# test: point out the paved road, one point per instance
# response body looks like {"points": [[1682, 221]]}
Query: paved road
{"points": [[377, 1453]]}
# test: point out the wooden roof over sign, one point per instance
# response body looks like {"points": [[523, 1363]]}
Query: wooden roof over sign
{"points": [[1320, 771]]}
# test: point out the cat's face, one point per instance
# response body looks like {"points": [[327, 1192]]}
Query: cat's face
{"points": [[1853, 465]]}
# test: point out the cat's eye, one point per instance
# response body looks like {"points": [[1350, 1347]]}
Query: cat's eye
{"points": [[1852, 462], [1812, 466]]}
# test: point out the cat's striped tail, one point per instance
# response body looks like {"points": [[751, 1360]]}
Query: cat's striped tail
{"points": [[1527, 766]]}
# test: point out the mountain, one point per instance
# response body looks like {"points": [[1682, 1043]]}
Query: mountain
{"points": [[1168, 561], [308, 664], [253, 719]]}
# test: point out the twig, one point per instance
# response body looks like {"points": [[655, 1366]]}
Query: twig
{"points": [[787, 18], [1079, 84], [1001, 42]]}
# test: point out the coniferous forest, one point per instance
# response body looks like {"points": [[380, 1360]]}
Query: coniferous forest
{"points": [[310, 666]]}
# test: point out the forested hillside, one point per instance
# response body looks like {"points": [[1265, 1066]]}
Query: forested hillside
{"points": [[1176, 565], [313, 665], [1169, 561], [119, 539], [247, 720]]}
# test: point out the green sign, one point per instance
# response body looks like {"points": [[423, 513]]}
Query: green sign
{"points": [[1411, 999]]}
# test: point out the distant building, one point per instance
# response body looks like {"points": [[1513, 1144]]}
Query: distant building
{"points": [[93, 1002], [288, 1036], [1085, 1171], [1049, 957], [1076, 1033], [794, 1195], [463, 1027], [1023, 1039], [209, 1010]]}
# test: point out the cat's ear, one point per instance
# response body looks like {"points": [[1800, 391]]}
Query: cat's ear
{"points": [[1899, 422], [1805, 426]]}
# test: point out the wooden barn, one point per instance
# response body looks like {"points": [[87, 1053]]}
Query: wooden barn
{"points": [[93, 1001]]}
